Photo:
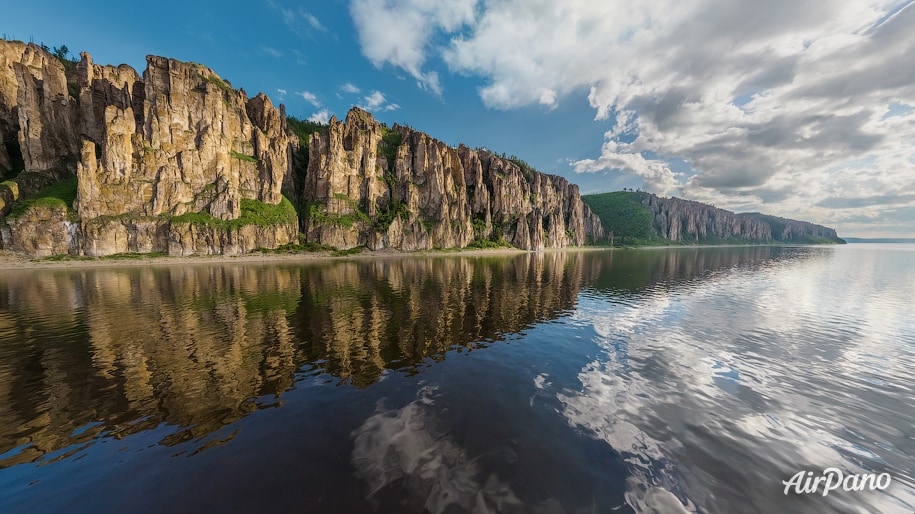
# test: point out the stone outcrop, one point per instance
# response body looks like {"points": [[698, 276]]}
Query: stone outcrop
{"points": [[41, 231], [687, 221], [37, 113], [788, 230], [692, 222], [178, 139], [399, 188]]}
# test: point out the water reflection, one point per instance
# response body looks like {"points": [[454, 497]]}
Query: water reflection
{"points": [[717, 389], [409, 450], [657, 380], [360, 318], [120, 351]]}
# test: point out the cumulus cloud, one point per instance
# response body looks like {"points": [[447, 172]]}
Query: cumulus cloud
{"points": [[309, 97], [757, 98], [350, 88], [322, 116], [400, 33], [376, 102]]}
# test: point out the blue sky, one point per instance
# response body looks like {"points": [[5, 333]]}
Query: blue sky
{"points": [[786, 107]]}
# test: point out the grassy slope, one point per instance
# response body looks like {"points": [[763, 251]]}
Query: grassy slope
{"points": [[61, 194], [253, 212], [623, 213]]}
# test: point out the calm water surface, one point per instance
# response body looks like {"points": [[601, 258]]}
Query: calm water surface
{"points": [[691, 379]]}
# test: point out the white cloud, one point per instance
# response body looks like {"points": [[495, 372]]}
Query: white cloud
{"points": [[309, 97], [376, 102], [400, 33], [349, 88], [765, 101], [322, 116]]}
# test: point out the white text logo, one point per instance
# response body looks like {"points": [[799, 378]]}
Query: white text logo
{"points": [[803, 482]]}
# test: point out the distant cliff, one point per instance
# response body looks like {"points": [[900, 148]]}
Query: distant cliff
{"points": [[99, 160], [644, 218]]}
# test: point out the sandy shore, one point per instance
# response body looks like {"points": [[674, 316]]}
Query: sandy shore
{"points": [[9, 261]]}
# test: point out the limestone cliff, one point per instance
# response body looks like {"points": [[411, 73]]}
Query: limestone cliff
{"points": [[787, 230], [177, 140], [644, 218], [687, 221], [399, 188], [37, 113]]}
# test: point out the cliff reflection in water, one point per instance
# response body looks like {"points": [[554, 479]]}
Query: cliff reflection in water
{"points": [[121, 351], [365, 317], [113, 352]]}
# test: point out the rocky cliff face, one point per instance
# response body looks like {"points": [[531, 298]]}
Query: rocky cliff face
{"points": [[175, 160], [178, 139], [784, 229], [687, 221], [37, 113], [399, 188]]}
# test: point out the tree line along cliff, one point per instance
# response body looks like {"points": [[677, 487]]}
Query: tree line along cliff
{"points": [[99, 160]]}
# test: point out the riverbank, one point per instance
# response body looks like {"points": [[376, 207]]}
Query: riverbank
{"points": [[10, 261]]}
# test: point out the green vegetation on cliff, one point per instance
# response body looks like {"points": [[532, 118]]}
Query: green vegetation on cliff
{"points": [[623, 214], [809, 236], [387, 214], [243, 157], [59, 195], [390, 140], [303, 129], [317, 214], [253, 212]]}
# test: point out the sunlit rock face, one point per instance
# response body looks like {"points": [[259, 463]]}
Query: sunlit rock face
{"points": [[177, 139], [38, 117], [687, 221], [399, 188]]}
